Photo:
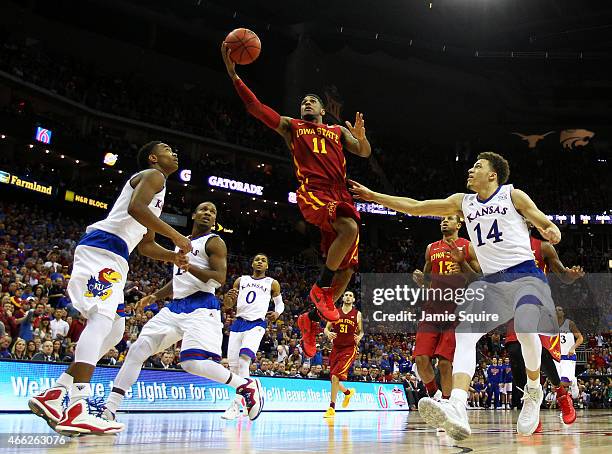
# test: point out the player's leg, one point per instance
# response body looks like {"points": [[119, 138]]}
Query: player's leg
{"points": [[201, 351], [427, 338], [564, 399], [445, 350], [341, 280], [340, 361], [519, 376]]}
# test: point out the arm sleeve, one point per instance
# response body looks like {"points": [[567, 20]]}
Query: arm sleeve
{"points": [[279, 306], [265, 114]]}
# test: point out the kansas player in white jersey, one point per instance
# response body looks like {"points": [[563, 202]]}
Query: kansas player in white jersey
{"points": [[512, 286], [570, 339], [253, 294], [96, 286], [193, 315]]}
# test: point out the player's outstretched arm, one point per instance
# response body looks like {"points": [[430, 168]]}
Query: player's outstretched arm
{"points": [[262, 112], [354, 137], [150, 182], [435, 207], [217, 259], [567, 275], [532, 213], [149, 248]]}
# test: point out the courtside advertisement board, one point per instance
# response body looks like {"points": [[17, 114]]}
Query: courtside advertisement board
{"points": [[169, 390]]}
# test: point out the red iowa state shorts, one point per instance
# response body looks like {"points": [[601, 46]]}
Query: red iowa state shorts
{"points": [[321, 206], [340, 360], [435, 340]]}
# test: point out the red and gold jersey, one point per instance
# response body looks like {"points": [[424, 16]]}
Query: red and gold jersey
{"points": [[439, 256], [345, 327], [318, 156]]}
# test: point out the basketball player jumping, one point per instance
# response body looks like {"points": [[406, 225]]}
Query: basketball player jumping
{"points": [[323, 198], [512, 286], [444, 260], [345, 334], [253, 294], [96, 286], [193, 315]]}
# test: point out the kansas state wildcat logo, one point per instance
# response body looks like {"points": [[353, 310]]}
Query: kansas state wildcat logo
{"points": [[101, 287]]}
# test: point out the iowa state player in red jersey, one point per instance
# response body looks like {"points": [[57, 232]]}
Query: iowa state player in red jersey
{"points": [[546, 259], [444, 260], [323, 198], [345, 333]]}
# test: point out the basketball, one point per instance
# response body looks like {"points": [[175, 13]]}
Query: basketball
{"points": [[244, 44]]}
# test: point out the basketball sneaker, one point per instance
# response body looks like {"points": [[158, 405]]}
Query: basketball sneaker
{"points": [[323, 299], [347, 398], [85, 417], [49, 404], [232, 412], [530, 414], [330, 413], [446, 414], [253, 397], [568, 413], [539, 429], [309, 331]]}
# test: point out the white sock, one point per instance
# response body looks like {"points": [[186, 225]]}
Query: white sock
{"points": [[459, 396], [114, 401], [79, 391], [65, 380], [532, 384]]}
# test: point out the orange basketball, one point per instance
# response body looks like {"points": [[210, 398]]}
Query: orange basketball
{"points": [[244, 44]]}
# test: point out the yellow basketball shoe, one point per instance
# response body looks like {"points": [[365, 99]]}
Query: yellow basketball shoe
{"points": [[330, 413], [347, 398]]}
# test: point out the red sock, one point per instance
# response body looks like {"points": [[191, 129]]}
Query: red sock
{"points": [[431, 387], [561, 391], [332, 405], [347, 392]]}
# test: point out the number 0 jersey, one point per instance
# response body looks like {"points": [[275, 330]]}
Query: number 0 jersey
{"points": [[497, 230], [254, 297], [317, 152], [183, 282]]}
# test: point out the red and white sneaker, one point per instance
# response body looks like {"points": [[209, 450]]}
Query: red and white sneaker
{"points": [[253, 397], [539, 429], [49, 404], [81, 418], [568, 413], [309, 331], [323, 299]]}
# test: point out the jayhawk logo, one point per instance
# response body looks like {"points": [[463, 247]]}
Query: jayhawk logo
{"points": [[101, 287]]}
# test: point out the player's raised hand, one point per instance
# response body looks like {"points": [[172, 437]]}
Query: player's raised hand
{"points": [[229, 63], [181, 261], [358, 130], [418, 277], [457, 253], [183, 243], [575, 272], [360, 191], [551, 234], [230, 297]]}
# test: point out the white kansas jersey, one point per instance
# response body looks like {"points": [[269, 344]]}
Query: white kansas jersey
{"points": [[566, 337], [254, 297], [119, 222], [183, 282], [497, 231]]}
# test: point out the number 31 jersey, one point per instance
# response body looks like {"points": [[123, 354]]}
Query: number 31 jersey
{"points": [[497, 230], [254, 297]]}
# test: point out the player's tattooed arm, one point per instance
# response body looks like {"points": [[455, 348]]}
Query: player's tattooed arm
{"points": [[149, 248], [527, 208], [147, 184], [217, 259], [354, 137], [567, 275], [578, 335], [231, 296], [435, 207]]}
